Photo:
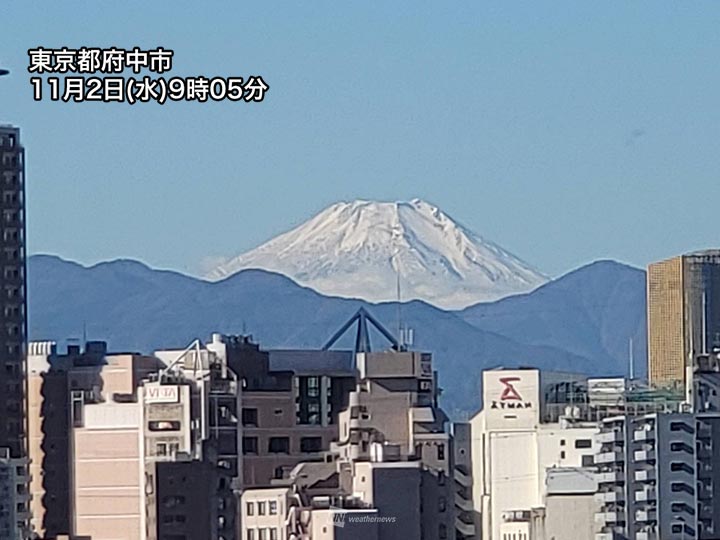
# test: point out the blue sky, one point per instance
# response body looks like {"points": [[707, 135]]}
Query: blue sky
{"points": [[565, 131]]}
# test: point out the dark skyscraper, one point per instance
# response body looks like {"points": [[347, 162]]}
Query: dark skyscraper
{"points": [[14, 515], [13, 330]]}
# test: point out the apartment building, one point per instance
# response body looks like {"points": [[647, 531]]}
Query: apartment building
{"points": [[14, 495], [657, 473], [132, 446], [84, 439], [656, 478], [392, 440], [13, 315], [462, 476], [290, 405]]}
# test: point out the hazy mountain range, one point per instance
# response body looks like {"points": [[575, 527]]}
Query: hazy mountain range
{"points": [[379, 250], [582, 321]]}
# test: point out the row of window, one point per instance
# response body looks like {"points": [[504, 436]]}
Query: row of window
{"points": [[267, 533], [281, 445], [308, 414], [515, 536], [269, 508]]}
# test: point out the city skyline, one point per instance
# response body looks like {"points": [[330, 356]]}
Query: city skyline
{"points": [[566, 135]]}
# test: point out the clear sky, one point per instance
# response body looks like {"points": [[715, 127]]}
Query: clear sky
{"points": [[565, 131]]}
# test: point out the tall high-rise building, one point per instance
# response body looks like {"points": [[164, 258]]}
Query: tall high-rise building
{"points": [[683, 296], [13, 312]]}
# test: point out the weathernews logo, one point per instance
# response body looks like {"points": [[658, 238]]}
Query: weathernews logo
{"points": [[510, 398], [340, 518]]}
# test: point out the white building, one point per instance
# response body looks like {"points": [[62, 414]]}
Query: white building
{"points": [[530, 424]]}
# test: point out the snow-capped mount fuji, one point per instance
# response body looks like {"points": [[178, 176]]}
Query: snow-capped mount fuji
{"points": [[358, 250]]}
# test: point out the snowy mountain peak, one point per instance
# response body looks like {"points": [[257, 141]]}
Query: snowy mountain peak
{"points": [[357, 249]]}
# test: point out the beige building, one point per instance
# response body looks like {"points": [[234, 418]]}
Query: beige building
{"points": [[84, 440], [683, 302], [132, 447]]}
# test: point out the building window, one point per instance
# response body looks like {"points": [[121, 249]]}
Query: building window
{"points": [[562, 442], [562, 454], [77, 408], [272, 508], [261, 508], [313, 386], [249, 509], [583, 443], [279, 445], [250, 445], [262, 534], [273, 534], [442, 531], [171, 501], [164, 425], [681, 467], [441, 452], [249, 417], [588, 460], [251, 534], [311, 444], [442, 504]]}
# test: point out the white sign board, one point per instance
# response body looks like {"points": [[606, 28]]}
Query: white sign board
{"points": [[164, 393], [511, 398]]}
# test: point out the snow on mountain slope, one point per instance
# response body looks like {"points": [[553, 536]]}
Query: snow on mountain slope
{"points": [[358, 249]]}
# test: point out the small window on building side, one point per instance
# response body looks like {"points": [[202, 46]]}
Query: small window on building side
{"points": [[583, 443], [250, 445], [249, 417], [279, 445], [311, 444]]}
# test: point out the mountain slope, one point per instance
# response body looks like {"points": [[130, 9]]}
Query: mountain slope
{"points": [[357, 250], [597, 311], [137, 308]]}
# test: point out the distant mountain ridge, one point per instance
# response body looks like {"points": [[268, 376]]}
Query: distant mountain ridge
{"points": [[578, 322], [358, 250]]}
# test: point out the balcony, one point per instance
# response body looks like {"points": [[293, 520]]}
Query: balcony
{"points": [[463, 504], [465, 529], [609, 497], [606, 437], [609, 457], [646, 495], [610, 477], [642, 435], [646, 516], [609, 518], [644, 455], [648, 475], [462, 478]]}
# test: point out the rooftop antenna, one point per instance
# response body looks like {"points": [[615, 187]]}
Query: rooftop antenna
{"points": [[632, 361]]}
